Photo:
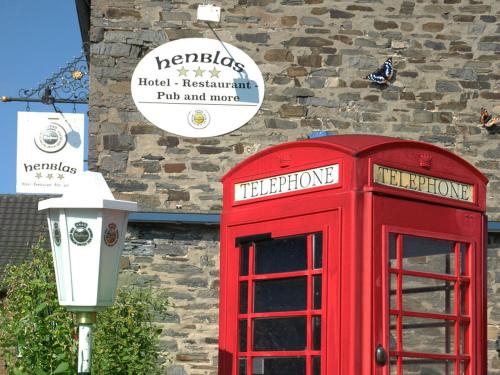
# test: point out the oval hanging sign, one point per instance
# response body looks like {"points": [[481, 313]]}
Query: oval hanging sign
{"points": [[197, 87]]}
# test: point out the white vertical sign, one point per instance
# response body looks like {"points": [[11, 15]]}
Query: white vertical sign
{"points": [[49, 151]]}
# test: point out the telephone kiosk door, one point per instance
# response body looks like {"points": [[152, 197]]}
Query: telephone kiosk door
{"points": [[278, 281], [429, 266]]}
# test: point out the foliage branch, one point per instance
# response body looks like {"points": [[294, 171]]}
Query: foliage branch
{"points": [[39, 337]]}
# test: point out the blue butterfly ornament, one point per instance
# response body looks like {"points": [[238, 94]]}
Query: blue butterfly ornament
{"points": [[383, 74]]}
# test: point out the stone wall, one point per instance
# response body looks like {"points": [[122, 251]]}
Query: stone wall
{"points": [[313, 55], [182, 260]]}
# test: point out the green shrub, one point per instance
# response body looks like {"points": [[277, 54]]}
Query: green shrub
{"points": [[38, 337], [126, 339]]}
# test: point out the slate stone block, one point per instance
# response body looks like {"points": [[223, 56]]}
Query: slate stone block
{"points": [[488, 18], [149, 166], [241, 19], [311, 21], [292, 2], [205, 167], [360, 8], [193, 282], [288, 21], [437, 46], [211, 150], [127, 185], [319, 102], [253, 38], [433, 27], [174, 34], [384, 25], [407, 8], [422, 117], [335, 13], [314, 61], [175, 16], [494, 47], [273, 123], [344, 39], [274, 55], [122, 13], [490, 95], [463, 18], [287, 110], [311, 123], [118, 142], [334, 60], [168, 141], [296, 71], [316, 82], [292, 92], [317, 31], [466, 74], [307, 42], [447, 86], [319, 11]]}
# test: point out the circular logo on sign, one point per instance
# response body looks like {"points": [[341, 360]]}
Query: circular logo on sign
{"points": [[80, 234], [52, 138], [199, 118], [57, 234], [173, 81], [111, 235]]}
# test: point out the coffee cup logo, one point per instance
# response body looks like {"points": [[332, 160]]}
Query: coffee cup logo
{"points": [[52, 138], [80, 234]]}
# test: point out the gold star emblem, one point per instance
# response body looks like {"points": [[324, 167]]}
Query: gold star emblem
{"points": [[38, 175], [182, 72], [50, 176], [199, 72], [214, 72], [60, 176]]}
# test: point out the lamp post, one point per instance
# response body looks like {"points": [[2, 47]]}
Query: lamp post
{"points": [[87, 228]]}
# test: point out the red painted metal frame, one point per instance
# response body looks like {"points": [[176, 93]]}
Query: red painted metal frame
{"points": [[309, 313], [355, 217], [464, 229]]}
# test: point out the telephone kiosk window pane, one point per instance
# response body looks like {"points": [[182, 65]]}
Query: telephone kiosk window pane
{"points": [[281, 255], [243, 335], [281, 334], [242, 366], [244, 251], [279, 366], [288, 294], [243, 297], [423, 299], [318, 250]]}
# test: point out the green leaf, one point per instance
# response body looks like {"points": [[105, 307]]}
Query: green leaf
{"points": [[63, 367], [39, 371], [40, 307]]}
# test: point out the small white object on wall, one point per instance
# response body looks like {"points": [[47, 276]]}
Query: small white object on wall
{"points": [[208, 12]]}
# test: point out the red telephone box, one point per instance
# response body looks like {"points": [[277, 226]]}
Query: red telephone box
{"points": [[353, 255]]}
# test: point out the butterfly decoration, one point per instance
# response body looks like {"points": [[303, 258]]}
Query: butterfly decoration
{"points": [[488, 121], [383, 74]]}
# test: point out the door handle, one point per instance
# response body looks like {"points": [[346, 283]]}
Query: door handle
{"points": [[380, 355]]}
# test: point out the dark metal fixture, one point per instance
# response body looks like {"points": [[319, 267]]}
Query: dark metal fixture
{"points": [[68, 85]]}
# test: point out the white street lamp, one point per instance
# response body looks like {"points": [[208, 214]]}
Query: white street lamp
{"points": [[87, 228]]}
